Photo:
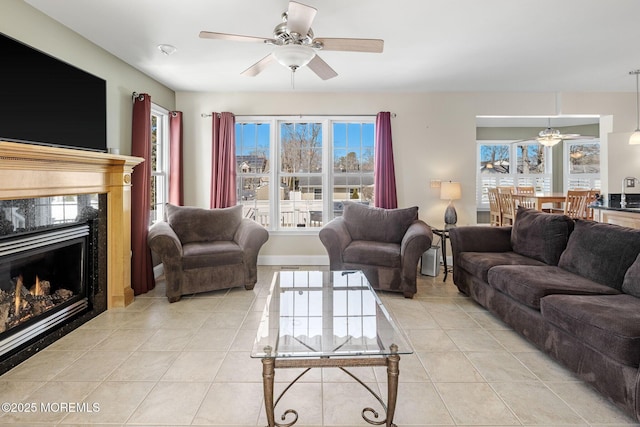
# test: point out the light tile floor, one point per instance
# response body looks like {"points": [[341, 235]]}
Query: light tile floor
{"points": [[187, 363]]}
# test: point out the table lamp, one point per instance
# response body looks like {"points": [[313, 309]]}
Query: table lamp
{"points": [[450, 191]]}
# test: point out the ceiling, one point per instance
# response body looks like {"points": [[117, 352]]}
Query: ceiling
{"points": [[430, 45]]}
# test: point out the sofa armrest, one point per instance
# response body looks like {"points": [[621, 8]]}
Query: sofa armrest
{"points": [[250, 235], [480, 239], [416, 241], [335, 237], [164, 241]]}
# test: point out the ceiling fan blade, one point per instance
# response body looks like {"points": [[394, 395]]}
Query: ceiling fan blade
{"points": [[232, 37], [352, 45], [300, 17], [258, 67], [321, 68]]}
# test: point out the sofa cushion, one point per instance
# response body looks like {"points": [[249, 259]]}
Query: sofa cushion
{"points": [[372, 253], [479, 263], [608, 323], [528, 284], [193, 224], [211, 254], [601, 252], [540, 235], [631, 282], [378, 224]]}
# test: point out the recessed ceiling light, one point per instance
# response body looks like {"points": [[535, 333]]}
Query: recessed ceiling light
{"points": [[167, 49]]}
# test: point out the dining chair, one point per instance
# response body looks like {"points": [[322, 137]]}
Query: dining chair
{"points": [[591, 197], [495, 216], [507, 208], [575, 204], [525, 190], [526, 201], [505, 189]]}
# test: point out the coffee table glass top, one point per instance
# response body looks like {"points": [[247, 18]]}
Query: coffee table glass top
{"points": [[323, 314]]}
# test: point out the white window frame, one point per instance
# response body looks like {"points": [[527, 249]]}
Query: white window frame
{"points": [[542, 182], [161, 173], [274, 174], [583, 180]]}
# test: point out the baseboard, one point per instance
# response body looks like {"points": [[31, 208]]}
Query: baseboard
{"points": [[293, 260]]}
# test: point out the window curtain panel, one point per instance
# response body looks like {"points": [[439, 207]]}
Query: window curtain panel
{"points": [[223, 161], [384, 176], [142, 279], [176, 186]]}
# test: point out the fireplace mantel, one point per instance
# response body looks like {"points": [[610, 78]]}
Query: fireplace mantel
{"points": [[28, 171]]}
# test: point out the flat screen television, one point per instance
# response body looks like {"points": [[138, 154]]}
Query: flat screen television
{"points": [[44, 100]]}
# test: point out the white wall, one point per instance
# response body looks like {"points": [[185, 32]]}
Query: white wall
{"points": [[433, 137], [28, 25]]}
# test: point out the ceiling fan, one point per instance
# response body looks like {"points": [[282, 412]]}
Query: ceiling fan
{"points": [[295, 44], [550, 136]]}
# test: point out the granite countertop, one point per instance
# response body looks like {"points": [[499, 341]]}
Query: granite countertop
{"points": [[612, 203], [634, 207]]}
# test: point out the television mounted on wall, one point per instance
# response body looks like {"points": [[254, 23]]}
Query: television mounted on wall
{"points": [[44, 100]]}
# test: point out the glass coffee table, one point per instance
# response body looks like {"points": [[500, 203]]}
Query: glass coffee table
{"points": [[321, 319]]}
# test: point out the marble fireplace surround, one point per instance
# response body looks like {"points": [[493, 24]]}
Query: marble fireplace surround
{"points": [[28, 171]]}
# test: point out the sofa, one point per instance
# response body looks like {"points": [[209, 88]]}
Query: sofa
{"points": [[385, 244], [571, 287], [206, 249]]}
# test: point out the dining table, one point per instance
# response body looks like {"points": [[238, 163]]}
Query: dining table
{"points": [[542, 198]]}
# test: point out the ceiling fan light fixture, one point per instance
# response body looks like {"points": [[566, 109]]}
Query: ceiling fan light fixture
{"points": [[548, 141], [294, 55]]}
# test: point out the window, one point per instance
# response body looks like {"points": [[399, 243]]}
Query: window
{"points": [[159, 162], [582, 164], [316, 163], [495, 167]]}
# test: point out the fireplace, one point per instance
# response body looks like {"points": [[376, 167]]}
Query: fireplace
{"points": [[52, 269], [93, 192]]}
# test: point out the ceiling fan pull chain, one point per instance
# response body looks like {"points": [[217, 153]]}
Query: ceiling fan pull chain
{"points": [[293, 78]]}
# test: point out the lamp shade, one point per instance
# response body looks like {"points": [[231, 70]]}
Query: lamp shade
{"points": [[635, 138], [294, 55], [450, 190]]}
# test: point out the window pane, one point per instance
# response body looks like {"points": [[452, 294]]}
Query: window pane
{"points": [[301, 147], [494, 159], [584, 158], [300, 198], [530, 159], [252, 169]]}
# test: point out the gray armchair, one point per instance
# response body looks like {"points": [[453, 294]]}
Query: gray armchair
{"points": [[206, 249], [385, 243]]}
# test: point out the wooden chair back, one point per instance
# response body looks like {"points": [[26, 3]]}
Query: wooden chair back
{"points": [[495, 217], [526, 190], [507, 208], [575, 204], [505, 189], [525, 201]]}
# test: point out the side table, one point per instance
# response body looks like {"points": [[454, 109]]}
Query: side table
{"points": [[443, 234]]}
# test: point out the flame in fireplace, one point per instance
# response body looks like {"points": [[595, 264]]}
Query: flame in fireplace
{"points": [[18, 297], [36, 289]]}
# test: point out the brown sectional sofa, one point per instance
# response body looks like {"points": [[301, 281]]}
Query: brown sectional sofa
{"points": [[572, 288]]}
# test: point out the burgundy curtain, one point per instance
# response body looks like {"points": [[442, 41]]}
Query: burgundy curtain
{"points": [[142, 279], [384, 176], [223, 161], [176, 195]]}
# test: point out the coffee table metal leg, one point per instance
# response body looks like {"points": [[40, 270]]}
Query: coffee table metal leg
{"points": [[268, 371], [393, 371]]}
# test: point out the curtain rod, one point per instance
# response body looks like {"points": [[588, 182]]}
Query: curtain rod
{"points": [[204, 115]]}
